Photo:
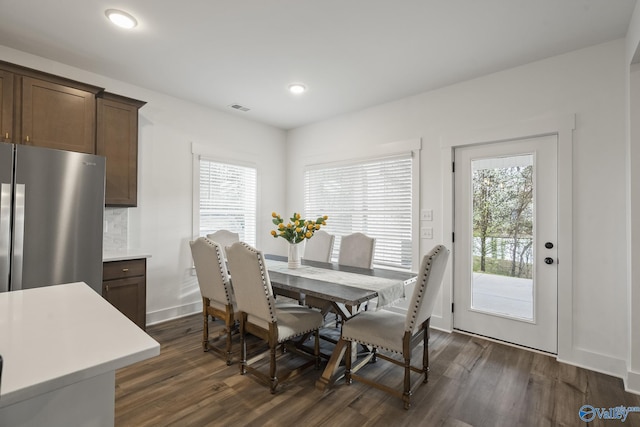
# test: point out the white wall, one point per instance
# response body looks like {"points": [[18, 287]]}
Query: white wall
{"points": [[589, 83], [162, 222]]}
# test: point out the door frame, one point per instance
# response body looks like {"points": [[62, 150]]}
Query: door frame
{"points": [[563, 127]]}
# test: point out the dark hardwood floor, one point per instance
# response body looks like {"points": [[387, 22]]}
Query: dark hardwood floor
{"points": [[473, 382]]}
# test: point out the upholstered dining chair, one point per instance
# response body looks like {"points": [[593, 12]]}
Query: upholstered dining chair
{"points": [[397, 333], [216, 290], [224, 238], [261, 317], [320, 247], [356, 250]]}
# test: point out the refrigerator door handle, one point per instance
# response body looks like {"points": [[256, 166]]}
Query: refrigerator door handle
{"points": [[18, 239], [5, 235]]}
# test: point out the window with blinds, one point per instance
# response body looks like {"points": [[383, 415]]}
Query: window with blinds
{"points": [[228, 199], [373, 197]]}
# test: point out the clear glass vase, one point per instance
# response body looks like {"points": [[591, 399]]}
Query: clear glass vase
{"points": [[294, 255]]}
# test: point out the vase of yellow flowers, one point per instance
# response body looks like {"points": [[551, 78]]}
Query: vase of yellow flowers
{"points": [[295, 231]]}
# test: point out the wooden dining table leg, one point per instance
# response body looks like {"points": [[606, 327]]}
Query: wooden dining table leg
{"points": [[332, 372], [329, 375]]}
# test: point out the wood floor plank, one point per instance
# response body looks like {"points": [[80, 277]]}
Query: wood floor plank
{"points": [[472, 382]]}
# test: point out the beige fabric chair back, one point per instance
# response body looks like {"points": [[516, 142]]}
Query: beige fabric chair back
{"points": [[427, 287], [356, 250], [211, 270], [320, 247], [225, 238], [251, 283]]}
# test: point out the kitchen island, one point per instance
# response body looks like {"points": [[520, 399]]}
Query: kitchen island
{"points": [[61, 346]]}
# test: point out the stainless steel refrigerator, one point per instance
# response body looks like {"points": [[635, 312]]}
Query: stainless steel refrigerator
{"points": [[51, 215]]}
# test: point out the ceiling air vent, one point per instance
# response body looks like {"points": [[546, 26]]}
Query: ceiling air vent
{"points": [[239, 107]]}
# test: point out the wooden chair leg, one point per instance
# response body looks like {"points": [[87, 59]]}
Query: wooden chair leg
{"points": [[272, 368], [316, 348], [347, 364], [243, 350], [205, 325], [229, 353], [406, 395], [425, 355]]}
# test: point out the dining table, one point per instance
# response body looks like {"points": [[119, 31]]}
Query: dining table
{"points": [[345, 289]]}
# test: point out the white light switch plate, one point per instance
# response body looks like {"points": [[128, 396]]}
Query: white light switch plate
{"points": [[426, 215], [426, 233]]}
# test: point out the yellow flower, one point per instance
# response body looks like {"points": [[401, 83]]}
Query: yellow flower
{"points": [[325, 217], [297, 228]]}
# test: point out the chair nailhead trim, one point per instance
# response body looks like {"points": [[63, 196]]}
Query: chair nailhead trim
{"points": [[423, 284], [265, 287]]}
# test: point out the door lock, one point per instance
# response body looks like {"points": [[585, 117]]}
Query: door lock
{"points": [[548, 260]]}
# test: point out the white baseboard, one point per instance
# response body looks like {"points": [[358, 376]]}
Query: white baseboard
{"points": [[595, 362], [632, 382], [171, 313]]}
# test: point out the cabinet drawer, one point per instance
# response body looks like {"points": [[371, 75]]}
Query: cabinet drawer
{"points": [[123, 269]]}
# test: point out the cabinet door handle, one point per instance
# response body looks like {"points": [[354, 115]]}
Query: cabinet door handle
{"points": [[124, 270], [27, 139], [6, 135], [106, 288]]}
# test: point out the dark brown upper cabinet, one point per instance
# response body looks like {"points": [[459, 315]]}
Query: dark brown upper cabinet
{"points": [[44, 110], [117, 140]]}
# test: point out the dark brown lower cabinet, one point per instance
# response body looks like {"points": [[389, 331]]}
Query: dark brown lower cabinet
{"points": [[124, 285]]}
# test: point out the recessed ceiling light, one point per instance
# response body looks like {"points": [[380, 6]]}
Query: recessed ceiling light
{"points": [[297, 88], [121, 19]]}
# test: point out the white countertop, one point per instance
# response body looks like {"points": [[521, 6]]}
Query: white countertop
{"points": [[124, 254], [55, 336]]}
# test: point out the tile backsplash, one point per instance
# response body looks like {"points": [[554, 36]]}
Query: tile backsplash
{"points": [[115, 231]]}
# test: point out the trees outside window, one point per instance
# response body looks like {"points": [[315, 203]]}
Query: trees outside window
{"points": [[503, 217]]}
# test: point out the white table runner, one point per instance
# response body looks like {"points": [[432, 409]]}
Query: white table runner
{"points": [[389, 290]]}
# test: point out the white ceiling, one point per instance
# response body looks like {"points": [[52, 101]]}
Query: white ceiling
{"points": [[351, 54]]}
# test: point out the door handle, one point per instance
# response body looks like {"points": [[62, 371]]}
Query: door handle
{"points": [[548, 260]]}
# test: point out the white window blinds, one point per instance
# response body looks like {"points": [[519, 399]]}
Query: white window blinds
{"points": [[373, 197], [228, 199]]}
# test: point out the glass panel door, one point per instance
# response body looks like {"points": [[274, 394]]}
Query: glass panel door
{"points": [[505, 266]]}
